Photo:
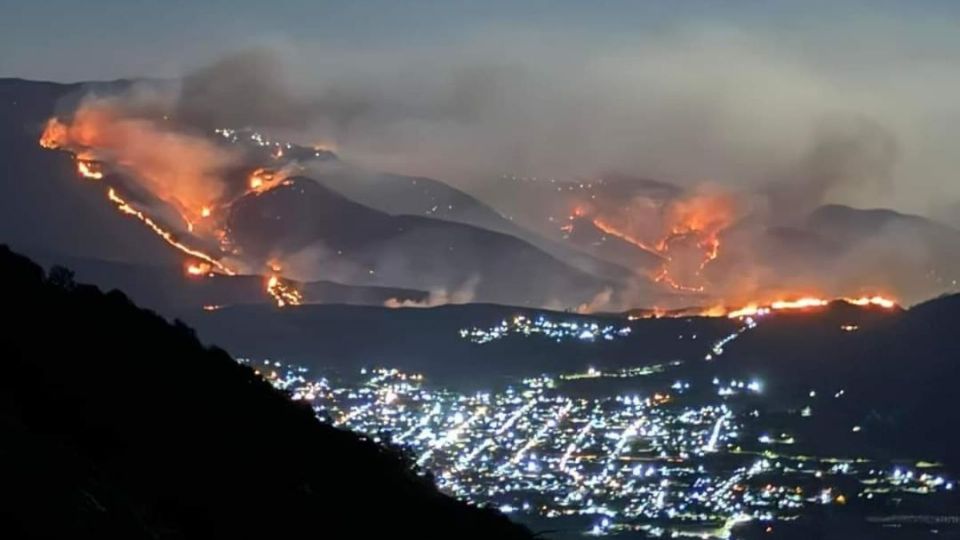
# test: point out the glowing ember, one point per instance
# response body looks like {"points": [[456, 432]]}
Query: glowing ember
{"points": [[89, 169], [262, 180], [55, 134], [198, 269], [283, 293]]}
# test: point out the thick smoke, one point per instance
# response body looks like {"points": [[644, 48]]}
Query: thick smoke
{"points": [[847, 156], [249, 89], [773, 134], [181, 167]]}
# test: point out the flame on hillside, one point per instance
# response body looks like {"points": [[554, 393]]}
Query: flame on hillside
{"points": [[89, 169], [753, 309], [283, 293], [688, 239], [183, 170]]}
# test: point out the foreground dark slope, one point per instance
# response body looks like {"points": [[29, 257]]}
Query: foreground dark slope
{"points": [[117, 424]]}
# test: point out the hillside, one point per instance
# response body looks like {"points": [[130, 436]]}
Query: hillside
{"points": [[898, 371], [46, 208], [420, 196], [42, 203], [118, 424], [357, 244], [166, 289]]}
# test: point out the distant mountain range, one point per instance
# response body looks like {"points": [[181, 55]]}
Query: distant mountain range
{"points": [[379, 249], [423, 238]]}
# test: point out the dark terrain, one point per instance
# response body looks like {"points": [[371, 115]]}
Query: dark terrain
{"points": [[118, 424]]}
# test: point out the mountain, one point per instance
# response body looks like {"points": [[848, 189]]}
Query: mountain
{"points": [[118, 424], [563, 211], [898, 372], [42, 205], [846, 223], [913, 255], [357, 244], [46, 208], [420, 196], [584, 233]]}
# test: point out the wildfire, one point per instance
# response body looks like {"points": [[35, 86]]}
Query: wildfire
{"points": [[283, 293], [263, 179], [181, 169], [167, 236], [800, 303], [198, 269], [872, 301], [689, 231], [55, 134], [609, 229], [89, 169], [663, 276], [809, 302]]}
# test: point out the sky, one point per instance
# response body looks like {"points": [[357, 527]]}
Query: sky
{"points": [[738, 93], [64, 40]]}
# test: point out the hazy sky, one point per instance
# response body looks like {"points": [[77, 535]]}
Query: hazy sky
{"points": [[733, 92], [66, 40]]}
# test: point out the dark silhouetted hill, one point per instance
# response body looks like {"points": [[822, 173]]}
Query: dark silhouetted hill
{"points": [[899, 372], [118, 424], [167, 290]]}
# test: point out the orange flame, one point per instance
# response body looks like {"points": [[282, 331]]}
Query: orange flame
{"points": [[167, 236], [879, 301], [198, 269], [695, 221], [55, 134], [181, 169], [283, 293], [809, 302], [263, 179], [89, 169], [607, 228]]}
